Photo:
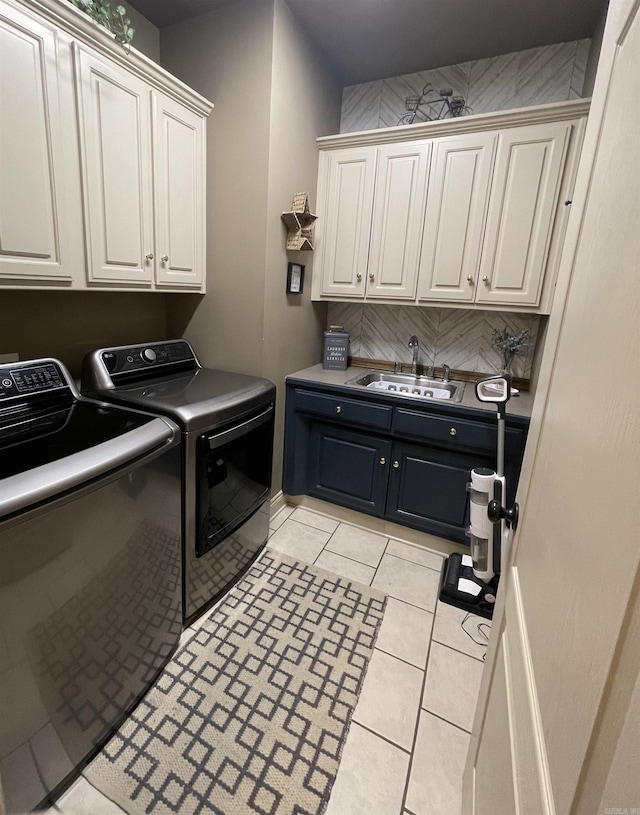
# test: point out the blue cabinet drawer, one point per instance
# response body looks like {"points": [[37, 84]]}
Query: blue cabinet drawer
{"points": [[459, 432], [344, 410]]}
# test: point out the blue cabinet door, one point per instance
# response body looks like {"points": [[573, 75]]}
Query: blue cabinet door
{"points": [[348, 467], [427, 489]]}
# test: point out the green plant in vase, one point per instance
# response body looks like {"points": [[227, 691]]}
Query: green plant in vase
{"points": [[114, 19], [509, 345]]}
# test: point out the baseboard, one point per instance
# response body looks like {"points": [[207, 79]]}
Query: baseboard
{"points": [[351, 516], [277, 502]]}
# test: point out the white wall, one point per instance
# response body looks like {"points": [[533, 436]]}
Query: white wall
{"points": [[146, 38], [226, 55], [305, 103], [273, 97]]}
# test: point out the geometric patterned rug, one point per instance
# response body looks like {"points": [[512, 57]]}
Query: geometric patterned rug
{"points": [[251, 715]]}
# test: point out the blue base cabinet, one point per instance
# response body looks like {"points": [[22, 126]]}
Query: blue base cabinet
{"points": [[347, 467], [392, 458], [428, 488]]}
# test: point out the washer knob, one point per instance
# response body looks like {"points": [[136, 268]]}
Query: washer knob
{"points": [[148, 355]]}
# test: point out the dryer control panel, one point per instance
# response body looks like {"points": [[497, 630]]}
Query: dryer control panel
{"points": [[132, 362]]}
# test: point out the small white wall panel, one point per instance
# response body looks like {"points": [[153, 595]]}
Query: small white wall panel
{"points": [[524, 199], [530, 775], [401, 186], [33, 227], [494, 763], [454, 220], [179, 187], [116, 140]]}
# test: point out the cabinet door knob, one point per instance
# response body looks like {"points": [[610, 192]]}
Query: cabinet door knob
{"points": [[485, 279], [358, 276], [469, 278], [164, 258], [453, 431], [338, 409], [149, 256], [383, 460], [396, 464], [371, 275]]}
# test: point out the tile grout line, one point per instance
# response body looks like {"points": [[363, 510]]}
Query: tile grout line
{"points": [[400, 659], [380, 736], [458, 651], [415, 562], [375, 574], [446, 721], [346, 557]]}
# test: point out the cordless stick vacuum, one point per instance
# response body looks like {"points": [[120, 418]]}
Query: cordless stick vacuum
{"points": [[470, 581]]}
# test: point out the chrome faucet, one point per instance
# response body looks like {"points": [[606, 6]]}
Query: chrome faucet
{"points": [[414, 344], [446, 372]]}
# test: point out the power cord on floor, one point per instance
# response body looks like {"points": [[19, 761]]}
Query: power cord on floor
{"points": [[480, 636]]}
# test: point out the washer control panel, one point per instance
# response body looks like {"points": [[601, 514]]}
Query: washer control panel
{"points": [[30, 378], [141, 358]]}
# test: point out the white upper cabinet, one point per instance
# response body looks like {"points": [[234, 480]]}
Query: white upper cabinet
{"points": [[454, 223], [398, 214], [35, 240], [524, 199], [345, 189], [102, 159], [115, 137], [372, 201], [472, 217], [179, 184]]}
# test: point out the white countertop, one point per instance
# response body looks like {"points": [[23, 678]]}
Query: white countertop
{"points": [[520, 405]]}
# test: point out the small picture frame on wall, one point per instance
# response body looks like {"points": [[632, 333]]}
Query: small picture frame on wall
{"points": [[295, 278]]}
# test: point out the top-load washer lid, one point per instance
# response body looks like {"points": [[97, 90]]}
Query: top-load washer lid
{"points": [[166, 379], [52, 439]]}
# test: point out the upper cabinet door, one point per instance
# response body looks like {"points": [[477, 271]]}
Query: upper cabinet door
{"points": [[115, 137], [398, 213], [454, 222], [345, 203], [34, 234], [179, 187], [524, 199]]}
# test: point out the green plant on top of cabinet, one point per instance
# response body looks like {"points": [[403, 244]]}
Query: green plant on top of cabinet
{"points": [[468, 212], [371, 243]]}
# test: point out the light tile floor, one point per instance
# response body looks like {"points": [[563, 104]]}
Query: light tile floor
{"points": [[407, 745]]}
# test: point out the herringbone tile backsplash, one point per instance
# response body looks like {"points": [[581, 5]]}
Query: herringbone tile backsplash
{"points": [[551, 73], [459, 337]]}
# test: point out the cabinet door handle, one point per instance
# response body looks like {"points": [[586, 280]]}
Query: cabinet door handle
{"points": [[338, 409], [149, 256], [383, 460], [358, 276], [396, 464], [470, 278], [164, 258], [453, 431], [485, 279], [371, 275]]}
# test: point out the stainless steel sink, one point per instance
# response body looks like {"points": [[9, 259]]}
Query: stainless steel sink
{"points": [[417, 387]]}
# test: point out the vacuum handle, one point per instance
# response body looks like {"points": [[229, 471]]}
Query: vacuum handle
{"points": [[497, 513]]}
